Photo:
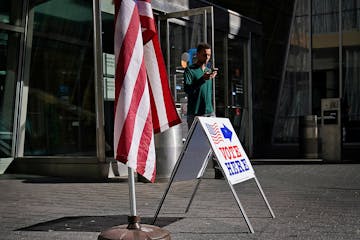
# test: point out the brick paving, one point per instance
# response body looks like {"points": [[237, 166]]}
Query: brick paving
{"points": [[310, 201]]}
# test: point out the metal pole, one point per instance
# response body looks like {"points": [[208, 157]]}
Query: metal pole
{"points": [[176, 167], [264, 197], [241, 207], [250, 95], [311, 62], [340, 51], [209, 155], [132, 196], [193, 195], [98, 81]]}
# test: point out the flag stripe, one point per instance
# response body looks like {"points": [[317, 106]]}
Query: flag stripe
{"points": [[143, 101], [171, 112], [141, 111], [131, 116], [124, 83]]}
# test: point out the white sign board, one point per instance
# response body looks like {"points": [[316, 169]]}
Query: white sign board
{"points": [[192, 160], [213, 135], [228, 149]]}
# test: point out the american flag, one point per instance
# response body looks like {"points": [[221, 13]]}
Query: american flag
{"points": [[143, 100], [214, 133]]}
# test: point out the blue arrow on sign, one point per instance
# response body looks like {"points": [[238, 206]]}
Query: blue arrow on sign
{"points": [[227, 133]]}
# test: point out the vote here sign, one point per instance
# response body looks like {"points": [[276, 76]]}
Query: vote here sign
{"points": [[228, 149]]}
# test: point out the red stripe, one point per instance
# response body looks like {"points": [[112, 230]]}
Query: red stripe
{"points": [[154, 113], [172, 115], [148, 24], [144, 141], [126, 51], [128, 128]]}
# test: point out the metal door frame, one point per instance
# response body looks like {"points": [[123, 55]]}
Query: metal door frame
{"points": [[187, 13]]}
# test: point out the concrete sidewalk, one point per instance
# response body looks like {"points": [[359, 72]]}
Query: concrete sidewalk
{"points": [[310, 201]]}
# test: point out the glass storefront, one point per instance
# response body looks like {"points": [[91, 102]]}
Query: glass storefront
{"points": [[9, 55], [237, 108], [50, 78], [11, 12], [325, 52], [322, 62], [295, 86], [11, 33], [11, 36], [60, 111], [351, 70]]}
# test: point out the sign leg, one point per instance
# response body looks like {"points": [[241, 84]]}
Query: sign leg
{"points": [[201, 173], [193, 195], [264, 197], [241, 209]]}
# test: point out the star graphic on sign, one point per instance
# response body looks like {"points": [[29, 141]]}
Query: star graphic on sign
{"points": [[227, 133]]}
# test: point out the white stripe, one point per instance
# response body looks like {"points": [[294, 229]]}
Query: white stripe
{"points": [[155, 83], [127, 89], [122, 23], [145, 9], [139, 125], [151, 160]]}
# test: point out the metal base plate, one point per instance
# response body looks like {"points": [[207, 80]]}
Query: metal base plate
{"points": [[145, 232]]}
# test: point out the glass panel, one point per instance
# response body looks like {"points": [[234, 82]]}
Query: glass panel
{"points": [[60, 114], [107, 17], [237, 88], [221, 83], [325, 16], [180, 33], [183, 38], [294, 100], [261, 125], [325, 41], [184, 35], [11, 12], [9, 54], [351, 70]]}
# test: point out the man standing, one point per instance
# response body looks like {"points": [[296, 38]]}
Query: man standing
{"points": [[198, 85], [198, 82]]}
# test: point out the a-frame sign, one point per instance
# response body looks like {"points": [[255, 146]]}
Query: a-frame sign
{"points": [[208, 136]]}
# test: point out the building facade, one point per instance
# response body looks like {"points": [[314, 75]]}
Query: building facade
{"points": [[57, 75]]}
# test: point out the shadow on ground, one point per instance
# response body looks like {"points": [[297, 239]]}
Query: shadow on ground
{"points": [[92, 223]]}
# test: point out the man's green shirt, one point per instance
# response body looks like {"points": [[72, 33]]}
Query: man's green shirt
{"points": [[199, 91]]}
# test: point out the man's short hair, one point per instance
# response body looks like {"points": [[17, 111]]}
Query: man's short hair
{"points": [[202, 46]]}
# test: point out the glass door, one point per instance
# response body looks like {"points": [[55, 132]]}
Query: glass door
{"points": [[180, 33], [238, 88], [11, 34]]}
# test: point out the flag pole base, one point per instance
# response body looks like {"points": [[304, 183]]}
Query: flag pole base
{"points": [[134, 231]]}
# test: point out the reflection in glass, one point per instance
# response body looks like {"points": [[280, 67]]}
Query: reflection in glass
{"points": [[294, 94], [237, 88], [11, 12], [325, 54], [351, 70], [8, 75], [61, 115]]}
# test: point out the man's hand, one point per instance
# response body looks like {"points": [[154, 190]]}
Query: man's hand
{"points": [[213, 74], [209, 75]]}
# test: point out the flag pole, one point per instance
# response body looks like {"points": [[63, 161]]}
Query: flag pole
{"points": [[127, 16], [132, 195], [133, 219], [134, 230]]}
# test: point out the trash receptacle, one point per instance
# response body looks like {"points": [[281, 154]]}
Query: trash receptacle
{"points": [[168, 146], [308, 136]]}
